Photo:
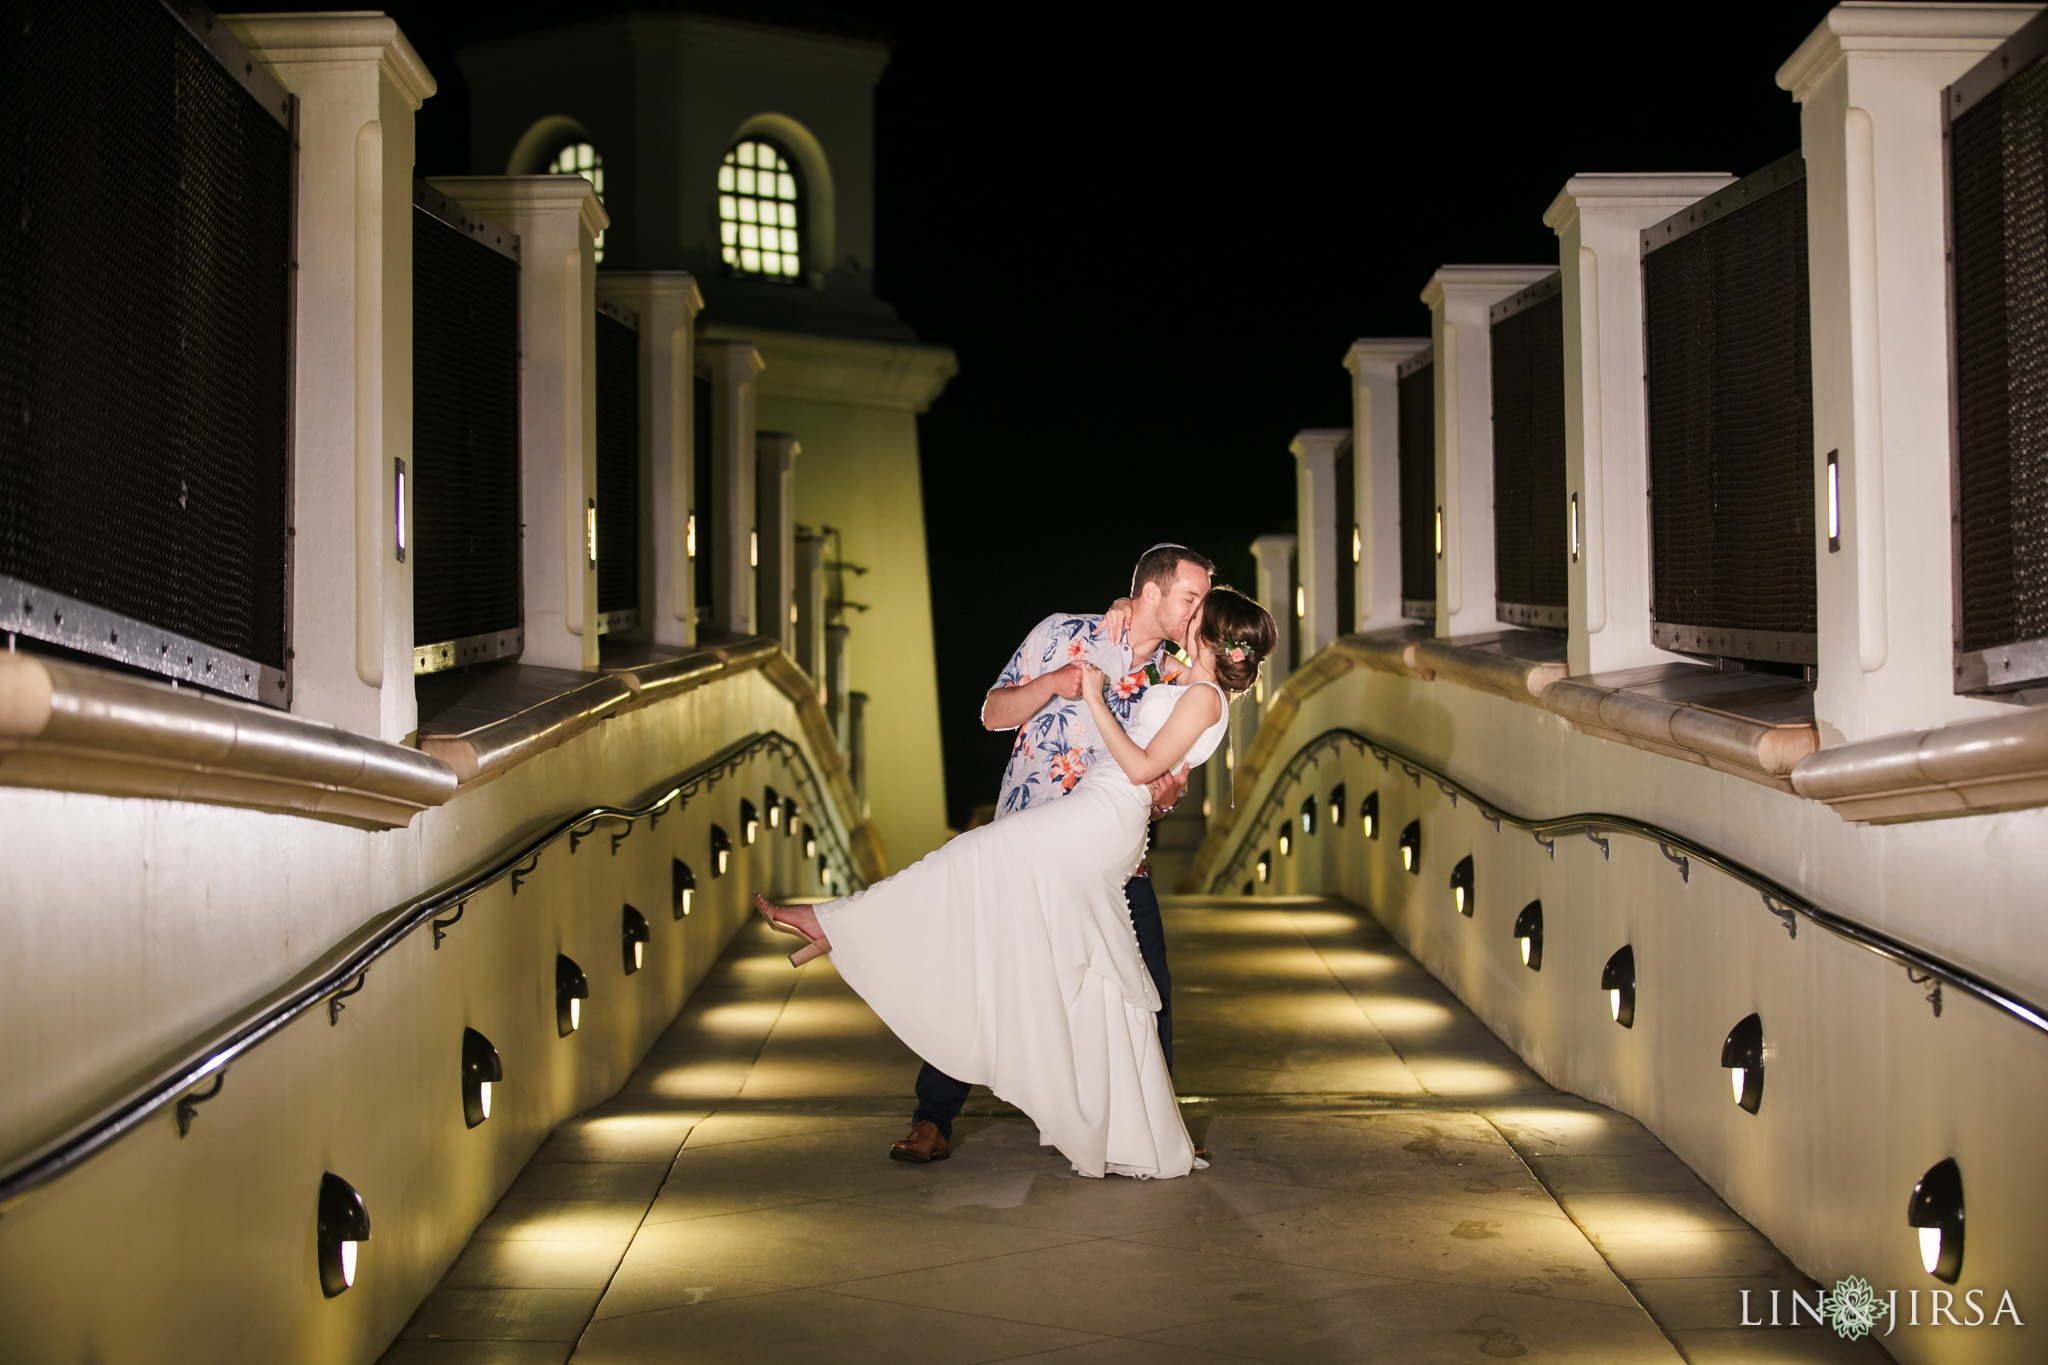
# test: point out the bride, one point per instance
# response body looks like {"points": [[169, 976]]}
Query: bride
{"points": [[1007, 958]]}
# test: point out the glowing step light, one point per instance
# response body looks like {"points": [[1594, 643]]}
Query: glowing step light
{"points": [[634, 934], [1461, 886], [772, 803], [1618, 979], [1743, 1055], [1308, 814], [790, 811], [682, 887], [810, 842], [1411, 848], [571, 990], [721, 851], [342, 1226], [750, 822], [1529, 930], [481, 1069], [1936, 1209], [1337, 806], [1286, 841], [1369, 815], [1265, 867]]}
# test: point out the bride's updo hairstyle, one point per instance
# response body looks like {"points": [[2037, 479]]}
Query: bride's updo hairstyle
{"points": [[1234, 625]]}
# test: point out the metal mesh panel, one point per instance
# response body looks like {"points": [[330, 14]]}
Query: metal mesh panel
{"points": [[1529, 551], [1729, 376], [618, 465], [145, 249], [1417, 400], [1999, 226], [465, 435]]}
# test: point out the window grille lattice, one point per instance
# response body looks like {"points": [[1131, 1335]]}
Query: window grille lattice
{"points": [[1416, 395], [465, 436], [145, 313], [1999, 228], [618, 465], [1531, 579], [760, 211], [1729, 377]]}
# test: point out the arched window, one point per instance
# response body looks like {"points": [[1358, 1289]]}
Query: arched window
{"points": [[760, 212], [580, 158]]}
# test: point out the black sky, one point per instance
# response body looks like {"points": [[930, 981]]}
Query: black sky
{"points": [[1150, 236]]}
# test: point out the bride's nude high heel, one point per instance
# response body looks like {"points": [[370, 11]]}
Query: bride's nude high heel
{"points": [[813, 947]]}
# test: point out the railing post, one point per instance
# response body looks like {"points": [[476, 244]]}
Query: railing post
{"points": [[775, 455], [732, 367], [1376, 455], [810, 608], [358, 83], [557, 217], [668, 302], [1459, 297], [1319, 559], [1276, 583]]}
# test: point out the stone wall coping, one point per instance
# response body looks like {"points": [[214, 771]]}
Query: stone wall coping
{"points": [[1516, 664], [1967, 768]]}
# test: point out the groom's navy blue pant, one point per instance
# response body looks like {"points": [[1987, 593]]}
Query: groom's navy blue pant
{"points": [[940, 1097]]}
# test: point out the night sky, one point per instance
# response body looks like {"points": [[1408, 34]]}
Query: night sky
{"points": [[1151, 236]]}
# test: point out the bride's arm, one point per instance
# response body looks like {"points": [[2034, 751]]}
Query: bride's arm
{"points": [[1191, 716]]}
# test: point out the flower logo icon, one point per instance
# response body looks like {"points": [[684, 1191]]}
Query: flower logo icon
{"points": [[1854, 1308]]}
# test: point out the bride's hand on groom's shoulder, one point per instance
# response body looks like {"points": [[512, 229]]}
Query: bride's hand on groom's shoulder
{"points": [[1116, 622]]}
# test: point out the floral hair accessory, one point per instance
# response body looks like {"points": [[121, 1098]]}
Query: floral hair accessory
{"points": [[1237, 656], [1236, 649]]}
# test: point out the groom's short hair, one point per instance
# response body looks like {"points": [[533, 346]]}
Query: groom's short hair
{"points": [[1160, 563]]}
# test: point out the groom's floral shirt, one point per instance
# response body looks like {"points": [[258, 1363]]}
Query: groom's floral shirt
{"points": [[1056, 745]]}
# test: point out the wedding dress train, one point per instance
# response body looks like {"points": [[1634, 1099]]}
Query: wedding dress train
{"points": [[1007, 959]]}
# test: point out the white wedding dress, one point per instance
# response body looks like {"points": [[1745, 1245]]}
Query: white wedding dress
{"points": [[1007, 959]]}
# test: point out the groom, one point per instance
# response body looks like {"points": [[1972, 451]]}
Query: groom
{"points": [[1038, 696]]}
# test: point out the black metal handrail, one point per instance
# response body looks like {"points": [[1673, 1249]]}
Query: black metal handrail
{"points": [[343, 971], [1922, 967]]}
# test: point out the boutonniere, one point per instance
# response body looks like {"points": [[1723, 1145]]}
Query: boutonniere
{"points": [[1152, 674]]}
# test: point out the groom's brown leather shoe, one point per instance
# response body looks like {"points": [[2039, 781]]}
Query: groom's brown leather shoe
{"points": [[925, 1144]]}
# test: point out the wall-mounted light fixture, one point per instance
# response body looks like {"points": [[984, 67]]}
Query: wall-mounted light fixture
{"points": [[771, 801], [1936, 1209], [634, 935], [590, 529], [398, 505], [1300, 601], [690, 535], [1369, 815], [1205, 807], [1337, 804], [1308, 814], [1743, 1055], [481, 1069], [721, 852], [810, 842], [682, 887], [1439, 531], [571, 990], [1411, 848], [1834, 501], [1529, 929], [1265, 867], [750, 822], [1286, 840], [790, 812], [1618, 979], [1461, 885], [1573, 529], [754, 549], [1357, 545], [342, 1226], [824, 872]]}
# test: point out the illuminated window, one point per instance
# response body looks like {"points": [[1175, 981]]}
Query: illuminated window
{"points": [[760, 212], [580, 158]]}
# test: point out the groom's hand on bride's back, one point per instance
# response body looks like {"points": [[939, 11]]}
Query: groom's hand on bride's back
{"points": [[1167, 788]]}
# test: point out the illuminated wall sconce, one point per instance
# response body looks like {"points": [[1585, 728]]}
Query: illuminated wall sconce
{"points": [[1265, 867], [690, 535], [1573, 529], [342, 1227], [398, 505], [1286, 841], [1461, 885], [682, 887], [590, 529], [1529, 929], [1337, 803], [1834, 501], [1618, 979], [1411, 849], [1743, 1055], [481, 1069], [1308, 814], [1205, 807], [750, 822], [1439, 532], [1300, 602], [1936, 1208], [824, 872], [810, 842], [634, 935], [1369, 815], [754, 549], [571, 990], [789, 815], [1357, 545], [721, 852], [772, 803]]}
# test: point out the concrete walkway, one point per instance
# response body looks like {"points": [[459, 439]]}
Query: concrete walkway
{"points": [[1389, 1182]]}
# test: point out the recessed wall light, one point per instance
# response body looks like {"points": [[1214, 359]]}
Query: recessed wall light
{"points": [[1369, 815], [1411, 848], [1461, 885], [721, 852], [634, 936], [789, 814], [1265, 867], [1308, 814], [342, 1226], [1529, 929], [810, 842], [571, 990], [750, 822], [1936, 1209], [1337, 803], [1743, 1054], [772, 803], [682, 887], [1618, 979], [481, 1069]]}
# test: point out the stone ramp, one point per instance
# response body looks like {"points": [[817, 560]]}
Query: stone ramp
{"points": [[1388, 1182]]}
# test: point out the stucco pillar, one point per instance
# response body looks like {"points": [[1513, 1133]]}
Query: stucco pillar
{"points": [[1376, 455], [810, 608], [775, 455], [557, 218], [1598, 220], [1869, 80], [1459, 297], [732, 367], [1275, 588], [668, 302], [1319, 558], [358, 83], [836, 681]]}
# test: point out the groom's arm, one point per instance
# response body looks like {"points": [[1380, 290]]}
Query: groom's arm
{"points": [[1006, 708]]}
